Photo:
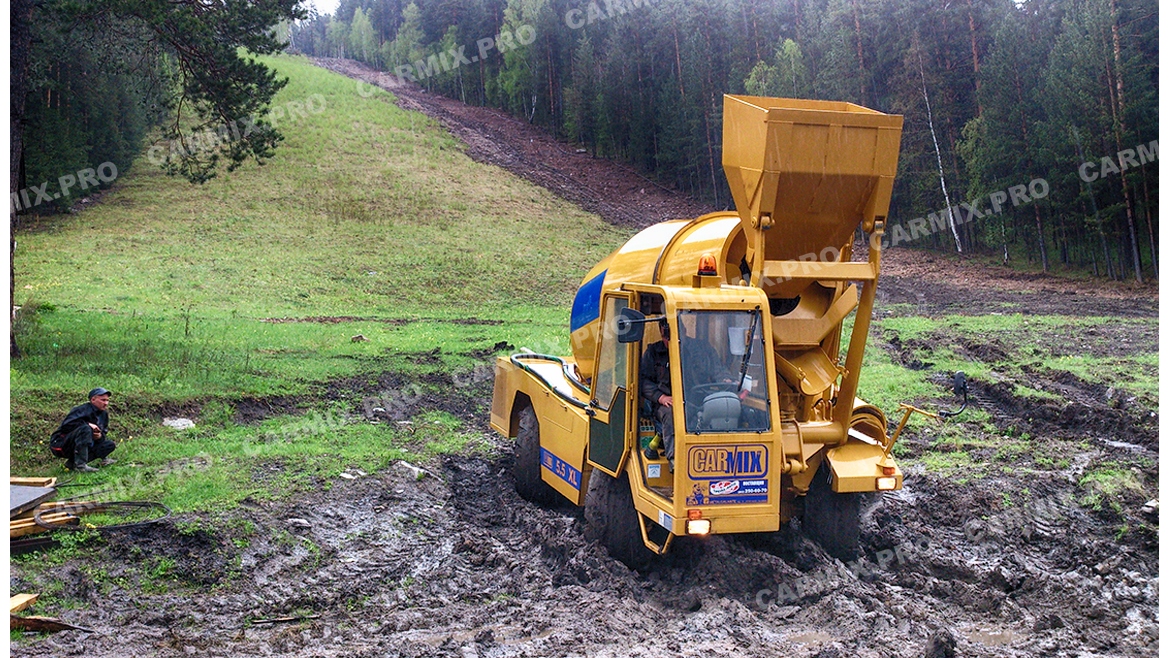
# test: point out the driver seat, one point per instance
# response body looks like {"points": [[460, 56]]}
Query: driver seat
{"points": [[721, 411]]}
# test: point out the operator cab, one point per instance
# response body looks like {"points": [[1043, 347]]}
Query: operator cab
{"points": [[719, 359]]}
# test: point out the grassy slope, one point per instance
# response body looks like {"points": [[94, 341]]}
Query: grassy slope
{"points": [[160, 292]]}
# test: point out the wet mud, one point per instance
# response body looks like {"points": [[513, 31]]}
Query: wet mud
{"points": [[449, 561]]}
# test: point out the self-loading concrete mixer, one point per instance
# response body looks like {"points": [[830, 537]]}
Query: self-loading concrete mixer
{"points": [[743, 313]]}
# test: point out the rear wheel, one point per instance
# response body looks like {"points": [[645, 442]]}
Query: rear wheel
{"points": [[832, 519], [612, 521], [526, 467]]}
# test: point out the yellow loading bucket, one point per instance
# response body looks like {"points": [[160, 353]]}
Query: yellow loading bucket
{"points": [[805, 174]]}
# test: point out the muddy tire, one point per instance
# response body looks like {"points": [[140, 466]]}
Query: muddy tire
{"points": [[832, 519], [612, 521], [526, 467]]}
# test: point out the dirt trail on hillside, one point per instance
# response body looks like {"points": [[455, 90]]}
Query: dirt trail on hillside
{"points": [[615, 191], [445, 559], [622, 196]]}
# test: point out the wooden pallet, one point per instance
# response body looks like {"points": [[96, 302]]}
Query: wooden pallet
{"points": [[23, 527]]}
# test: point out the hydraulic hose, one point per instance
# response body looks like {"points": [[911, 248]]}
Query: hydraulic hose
{"points": [[123, 506], [518, 359]]}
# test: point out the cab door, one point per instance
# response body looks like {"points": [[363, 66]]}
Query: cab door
{"points": [[609, 409]]}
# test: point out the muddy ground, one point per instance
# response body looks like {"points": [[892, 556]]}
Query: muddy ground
{"points": [[447, 560], [444, 559]]}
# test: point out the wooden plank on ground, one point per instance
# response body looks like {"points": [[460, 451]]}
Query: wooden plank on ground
{"points": [[33, 482], [32, 544], [67, 503], [50, 517], [43, 624], [22, 499], [21, 601]]}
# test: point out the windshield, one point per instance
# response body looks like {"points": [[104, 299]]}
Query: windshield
{"points": [[725, 388]]}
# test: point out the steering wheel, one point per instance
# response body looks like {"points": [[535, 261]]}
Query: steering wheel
{"points": [[700, 391]]}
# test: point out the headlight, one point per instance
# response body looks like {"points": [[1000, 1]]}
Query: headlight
{"points": [[699, 527]]}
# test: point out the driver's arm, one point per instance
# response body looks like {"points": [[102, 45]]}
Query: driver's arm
{"points": [[651, 388]]}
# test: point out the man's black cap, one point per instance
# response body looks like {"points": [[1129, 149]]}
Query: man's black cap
{"points": [[96, 392]]}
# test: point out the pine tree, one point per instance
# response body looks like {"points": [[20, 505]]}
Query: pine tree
{"points": [[361, 39]]}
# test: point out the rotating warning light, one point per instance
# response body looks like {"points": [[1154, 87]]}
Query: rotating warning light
{"points": [[707, 265]]}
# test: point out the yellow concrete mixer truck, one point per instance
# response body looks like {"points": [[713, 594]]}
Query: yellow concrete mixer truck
{"points": [[722, 335]]}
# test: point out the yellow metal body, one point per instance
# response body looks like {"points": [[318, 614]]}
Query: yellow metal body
{"points": [[805, 176]]}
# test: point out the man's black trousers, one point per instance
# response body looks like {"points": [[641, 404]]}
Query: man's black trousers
{"points": [[82, 438]]}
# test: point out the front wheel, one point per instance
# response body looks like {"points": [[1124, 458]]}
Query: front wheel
{"points": [[612, 521], [832, 519], [526, 467]]}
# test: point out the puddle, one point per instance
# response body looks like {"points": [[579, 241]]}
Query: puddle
{"points": [[1132, 447], [1000, 638], [526, 639], [815, 637]]}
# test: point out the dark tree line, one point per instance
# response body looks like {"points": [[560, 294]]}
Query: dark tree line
{"points": [[93, 79], [1019, 94], [87, 103]]}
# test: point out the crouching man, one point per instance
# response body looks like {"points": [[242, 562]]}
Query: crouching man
{"points": [[82, 436]]}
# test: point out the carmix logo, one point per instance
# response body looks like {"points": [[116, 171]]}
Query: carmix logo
{"points": [[726, 462]]}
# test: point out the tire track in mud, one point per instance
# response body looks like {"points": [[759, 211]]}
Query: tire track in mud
{"points": [[1077, 408], [1021, 538]]}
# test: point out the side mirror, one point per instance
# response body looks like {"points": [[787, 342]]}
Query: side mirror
{"points": [[630, 325]]}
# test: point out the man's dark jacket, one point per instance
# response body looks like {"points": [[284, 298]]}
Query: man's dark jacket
{"points": [[703, 366], [654, 372], [80, 415]]}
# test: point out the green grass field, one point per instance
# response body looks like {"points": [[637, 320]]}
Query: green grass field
{"points": [[166, 293]]}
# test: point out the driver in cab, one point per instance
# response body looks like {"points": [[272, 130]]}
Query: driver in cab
{"points": [[703, 366]]}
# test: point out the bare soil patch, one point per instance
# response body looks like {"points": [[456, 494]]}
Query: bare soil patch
{"points": [[336, 319], [943, 284]]}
